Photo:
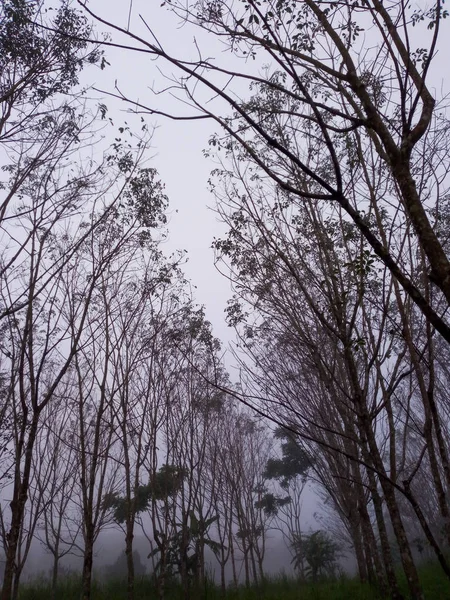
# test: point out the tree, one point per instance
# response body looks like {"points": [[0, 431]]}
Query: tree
{"points": [[194, 409], [119, 569], [42, 133], [56, 469], [125, 241], [291, 473], [320, 553], [143, 308]]}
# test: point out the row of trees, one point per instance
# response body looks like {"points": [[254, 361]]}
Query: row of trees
{"points": [[334, 185], [111, 403]]}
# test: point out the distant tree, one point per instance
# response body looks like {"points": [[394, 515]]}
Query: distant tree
{"points": [[318, 551], [295, 461], [56, 467], [291, 474], [119, 569], [166, 482], [246, 453], [128, 240]]}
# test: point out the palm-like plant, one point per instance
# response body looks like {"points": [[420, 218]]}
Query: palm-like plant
{"points": [[318, 551]]}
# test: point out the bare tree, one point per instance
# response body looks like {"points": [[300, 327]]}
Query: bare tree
{"points": [[56, 458], [140, 310]]}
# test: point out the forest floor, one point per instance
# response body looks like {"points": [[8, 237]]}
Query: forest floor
{"points": [[435, 585]]}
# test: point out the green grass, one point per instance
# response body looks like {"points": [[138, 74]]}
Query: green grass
{"points": [[277, 589], [436, 587]]}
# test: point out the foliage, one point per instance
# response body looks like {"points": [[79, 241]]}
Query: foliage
{"points": [[319, 551], [295, 462], [185, 545], [41, 61], [164, 485], [271, 503]]}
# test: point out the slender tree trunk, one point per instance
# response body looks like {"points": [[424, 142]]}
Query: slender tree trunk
{"points": [[55, 570], [130, 560], [246, 565], [20, 496], [366, 430], [431, 420], [261, 569], [223, 585], [10, 558], [253, 562], [384, 540], [15, 593], [88, 559], [409, 566], [361, 558], [233, 563], [371, 550], [161, 580], [184, 566]]}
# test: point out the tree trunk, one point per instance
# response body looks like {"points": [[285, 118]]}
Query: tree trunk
{"points": [[15, 593], [233, 563], [20, 496], [10, 558], [130, 561], [254, 571], [86, 581], [371, 551], [54, 576], [367, 433], [223, 585], [409, 567], [354, 521], [246, 566]]}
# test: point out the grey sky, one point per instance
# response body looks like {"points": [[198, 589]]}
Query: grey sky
{"points": [[177, 147]]}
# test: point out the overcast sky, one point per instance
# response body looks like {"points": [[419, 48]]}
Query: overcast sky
{"points": [[177, 145]]}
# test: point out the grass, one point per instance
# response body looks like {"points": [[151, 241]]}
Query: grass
{"points": [[274, 589], [435, 585]]}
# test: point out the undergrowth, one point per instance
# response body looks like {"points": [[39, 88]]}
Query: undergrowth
{"points": [[435, 585]]}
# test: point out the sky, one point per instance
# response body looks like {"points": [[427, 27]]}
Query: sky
{"points": [[177, 150]]}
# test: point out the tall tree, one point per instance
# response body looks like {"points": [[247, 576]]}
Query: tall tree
{"points": [[45, 126]]}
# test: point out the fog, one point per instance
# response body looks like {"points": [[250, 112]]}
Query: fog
{"points": [[224, 293]]}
